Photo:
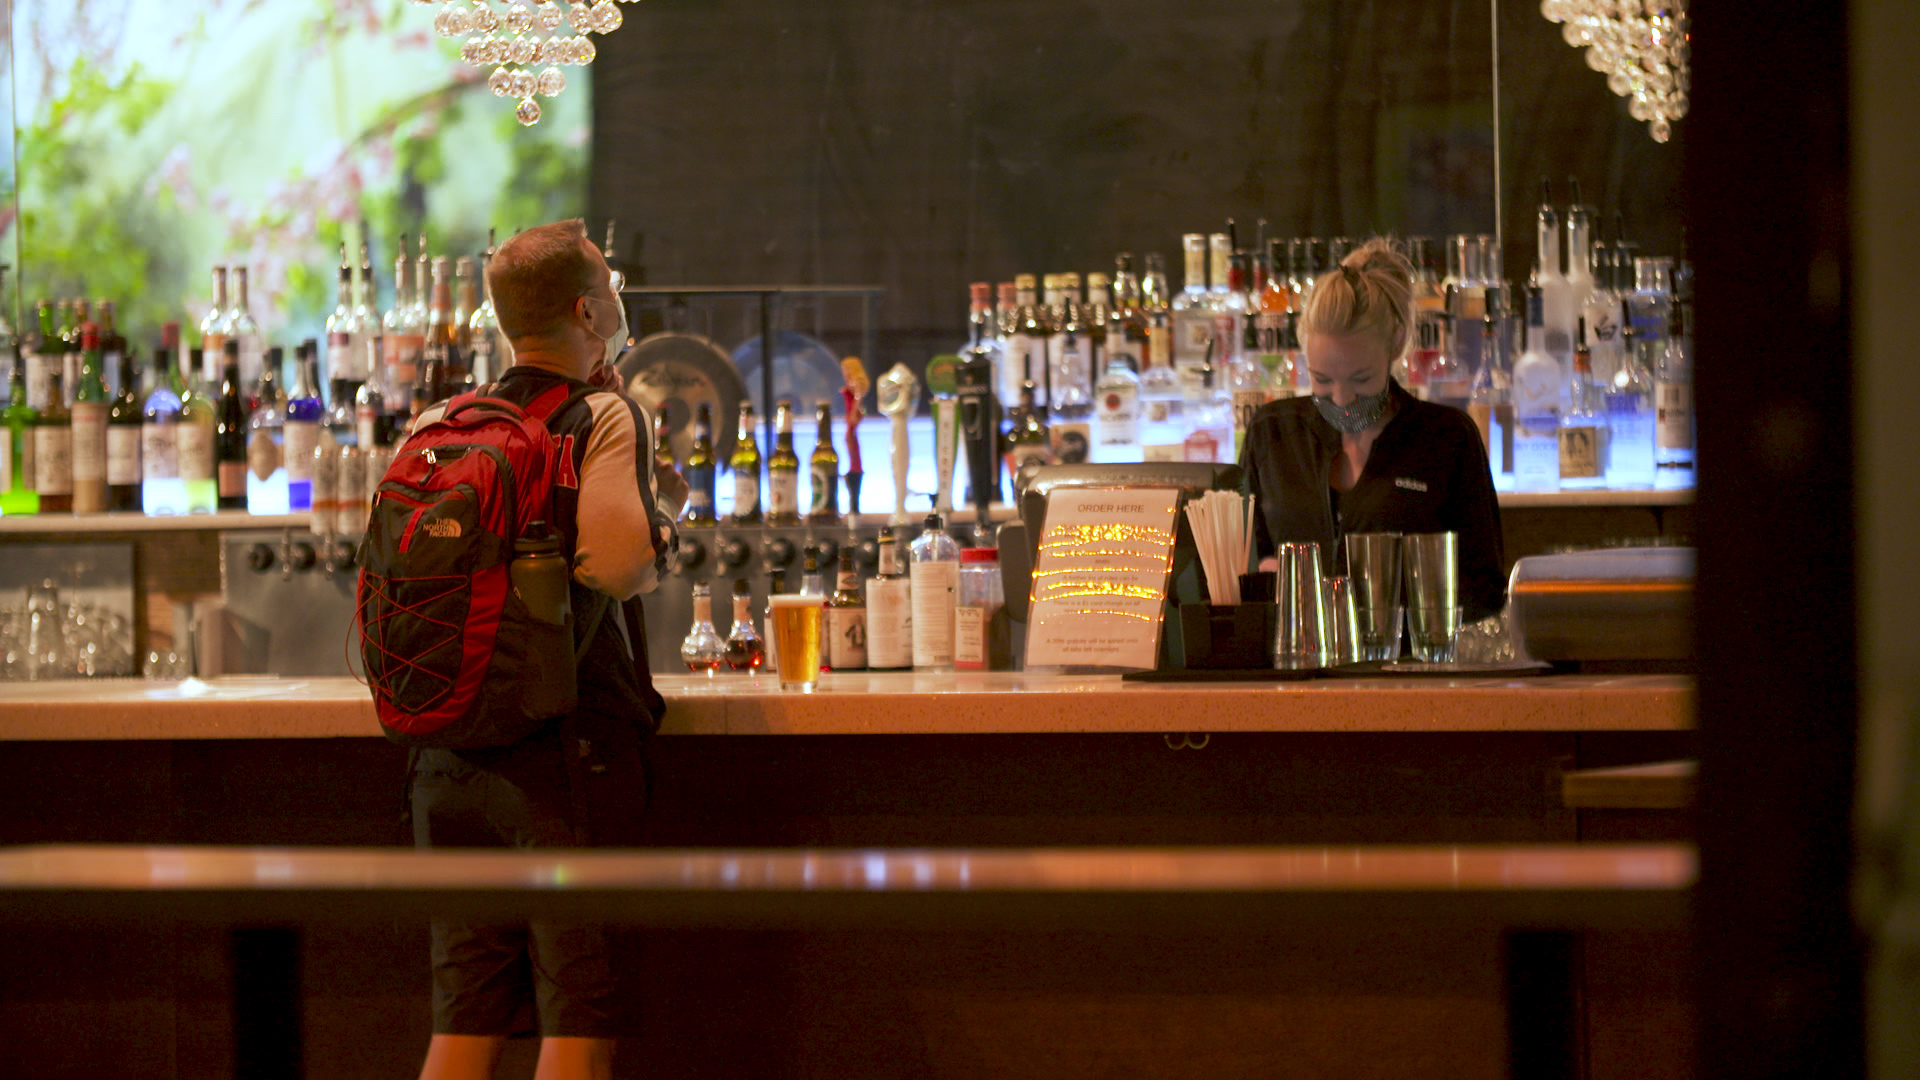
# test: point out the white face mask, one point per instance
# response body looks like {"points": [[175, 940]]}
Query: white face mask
{"points": [[615, 344]]}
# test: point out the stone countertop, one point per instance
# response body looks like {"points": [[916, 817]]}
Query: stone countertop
{"points": [[894, 704]]}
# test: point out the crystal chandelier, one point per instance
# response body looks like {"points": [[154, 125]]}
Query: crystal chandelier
{"points": [[526, 37], [1640, 46]]}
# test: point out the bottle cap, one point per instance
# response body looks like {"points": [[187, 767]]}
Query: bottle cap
{"points": [[979, 555], [933, 520], [741, 588]]}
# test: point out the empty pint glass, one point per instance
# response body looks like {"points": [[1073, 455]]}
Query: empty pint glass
{"points": [[1373, 566], [797, 635], [1433, 595]]}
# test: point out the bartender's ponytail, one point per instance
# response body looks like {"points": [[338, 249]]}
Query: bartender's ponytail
{"points": [[1371, 293]]}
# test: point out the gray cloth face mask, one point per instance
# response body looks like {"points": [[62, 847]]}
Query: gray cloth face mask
{"points": [[1353, 419]]}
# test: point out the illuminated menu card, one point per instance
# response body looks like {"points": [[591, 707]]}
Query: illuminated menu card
{"points": [[1100, 578]]}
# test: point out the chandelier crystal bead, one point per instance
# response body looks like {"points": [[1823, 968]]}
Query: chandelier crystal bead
{"points": [[1641, 46], [528, 37]]}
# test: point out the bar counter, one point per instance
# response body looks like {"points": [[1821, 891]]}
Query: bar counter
{"points": [[896, 704]]}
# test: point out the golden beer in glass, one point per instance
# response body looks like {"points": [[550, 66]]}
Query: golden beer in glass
{"points": [[797, 626]]}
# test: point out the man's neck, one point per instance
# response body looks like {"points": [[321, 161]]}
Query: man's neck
{"points": [[540, 354]]}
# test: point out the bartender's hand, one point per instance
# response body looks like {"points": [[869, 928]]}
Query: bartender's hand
{"points": [[671, 487]]}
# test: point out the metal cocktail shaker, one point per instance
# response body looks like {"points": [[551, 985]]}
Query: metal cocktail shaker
{"points": [[1373, 565], [1302, 640]]}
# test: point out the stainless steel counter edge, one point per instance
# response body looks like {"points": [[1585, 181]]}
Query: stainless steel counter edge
{"points": [[893, 704]]}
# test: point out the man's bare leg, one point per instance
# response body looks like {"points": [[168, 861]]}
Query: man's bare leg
{"points": [[568, 1058], [462, 1057]]}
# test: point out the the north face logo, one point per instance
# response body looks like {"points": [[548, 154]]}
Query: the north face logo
{"points": [[443, 528]]}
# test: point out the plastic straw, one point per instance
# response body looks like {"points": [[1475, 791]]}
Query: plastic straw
{"points": [[1222, 532]]}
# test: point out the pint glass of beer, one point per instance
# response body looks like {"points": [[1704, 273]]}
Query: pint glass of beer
{"points": [[797, 628]]}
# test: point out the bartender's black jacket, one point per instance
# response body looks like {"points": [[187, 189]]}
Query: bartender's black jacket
{"points": [[1427, 472]]}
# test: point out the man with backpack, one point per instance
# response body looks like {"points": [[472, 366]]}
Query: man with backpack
{"points": [[491, 767]]}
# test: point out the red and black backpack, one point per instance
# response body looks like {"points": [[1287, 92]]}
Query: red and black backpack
{"points": [[453, 655]]}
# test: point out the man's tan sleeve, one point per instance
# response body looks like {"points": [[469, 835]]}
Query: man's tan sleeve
{"points": [[620, 537]]}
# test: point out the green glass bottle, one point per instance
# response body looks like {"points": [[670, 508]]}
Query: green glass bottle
{"points": [[746, 470], [783, 470], [699, 470], [91, 404], [16, 451], [823, 470]]}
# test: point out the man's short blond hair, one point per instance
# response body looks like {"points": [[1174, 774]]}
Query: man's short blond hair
{"points": [[535, 277]]}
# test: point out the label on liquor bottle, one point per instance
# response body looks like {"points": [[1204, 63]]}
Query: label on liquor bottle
{"points": [[6, 462], [1579, 453], [846, 638], [1245, 404], [299, 438], [933, 586], [746, 493], [1118, 416], [89, 443], [970, 638], [824, 482], [1673, 415], [1191, 331], [889, 623], [340, 356], [1202, 446], [698, 500], [196, 452], [350, 496], [39, 368], [53, 459], [263, 459], [159, 452], [786, 492], [123, 454], [1270, 330], [233, 479]]}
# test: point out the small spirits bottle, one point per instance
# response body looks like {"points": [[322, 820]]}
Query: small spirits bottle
{"points": [[1116, 417], [746, 650], [123, 438], [231, 436], [1584, 434], [889, 610], [1630, 418], [934, 577], [1673, 408], [703, 650], [846, 617]]}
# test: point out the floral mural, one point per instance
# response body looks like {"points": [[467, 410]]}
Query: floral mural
{"points": [[156, 140]]}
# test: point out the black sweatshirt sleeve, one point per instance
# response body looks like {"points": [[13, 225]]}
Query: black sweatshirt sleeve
{"points": [[1474, 513]]}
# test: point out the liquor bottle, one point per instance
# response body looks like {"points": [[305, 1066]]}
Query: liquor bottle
{"points": [[491, 354], [746, 650], [53, 450], [113, 346], [1209, 419], [1466, 284], [1429, 295], [1231, 313], [1116, 418], [244, 330], [443, 369], [41, 354], [1490, 403], [266, 411], [746, 470], [1270, 322], [1584, 435], [1192, 311], [1248, 387], [305, 421], [1029, 443], [213, 325], [846, 618], [783, 470], [345, 355], [889, 610], [1096, 314], [1537, 389], [77, 313], [1127, 322], [703, 651], [1555, 291], [813, 578], [934, 578], [466, 300], [823, 472], [1630, 420], [983, 330], [367, 343], [1155, 293], [1673, 413], [1162, 399], [1070, 395], [1652, 304], [1027, 346], [91, 404], [124, 422], [402, 335], [1448, 380], [230, 433], [161, 490], [200, 408], [699, 469], [17, 494]]}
